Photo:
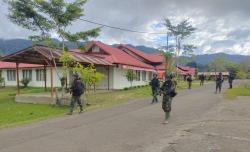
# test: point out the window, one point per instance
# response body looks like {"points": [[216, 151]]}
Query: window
{"points": [[11, 75], [39, 75], [27, 74], [138, 75], [144, 73]]}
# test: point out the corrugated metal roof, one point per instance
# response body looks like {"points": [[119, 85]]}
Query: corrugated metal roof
{"points": [[40, 54]]}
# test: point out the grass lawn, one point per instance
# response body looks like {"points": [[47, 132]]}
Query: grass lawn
{"points": [[242, 90], [12, 113]]}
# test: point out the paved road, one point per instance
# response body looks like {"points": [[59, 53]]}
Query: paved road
{"points": [[132, 127]]}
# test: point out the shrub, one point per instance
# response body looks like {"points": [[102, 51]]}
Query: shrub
{"points": [[25, 81], [126, 88]]}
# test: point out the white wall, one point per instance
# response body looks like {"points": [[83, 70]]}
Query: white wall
{"points": [[120, 81], [33, 82], [117, 79]]}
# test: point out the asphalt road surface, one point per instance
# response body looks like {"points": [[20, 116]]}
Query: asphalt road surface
{"points": [[132, 127]]}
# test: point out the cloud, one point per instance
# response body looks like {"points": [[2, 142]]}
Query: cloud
{"points": [[222, 25]]}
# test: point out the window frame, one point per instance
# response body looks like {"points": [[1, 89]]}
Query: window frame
{"points": [[11, 75]]}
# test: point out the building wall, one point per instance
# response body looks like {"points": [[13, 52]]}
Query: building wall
{"points": [[34, 82], [120, 81], [116, 76]]}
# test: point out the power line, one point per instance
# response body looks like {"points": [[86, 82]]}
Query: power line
{"points": [[118, 28]]}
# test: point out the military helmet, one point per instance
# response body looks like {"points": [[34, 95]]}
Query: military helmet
{"points": [[169, 75], [76, 75]]}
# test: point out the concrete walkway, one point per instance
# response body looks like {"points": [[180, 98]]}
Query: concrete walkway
{"points": [[200, 121]]}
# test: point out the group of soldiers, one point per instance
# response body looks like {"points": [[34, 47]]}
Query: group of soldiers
{"points": [[168, 89]]}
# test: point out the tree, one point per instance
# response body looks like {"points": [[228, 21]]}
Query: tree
{"points": [[188, 50], [220, 64], [88, 74], [131, 76], [50, 16], [170, 65], [179, 31]]}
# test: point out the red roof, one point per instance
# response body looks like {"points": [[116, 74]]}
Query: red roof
{"points": [[115, 55], [11, 65], [186, 70], [156, 58]]}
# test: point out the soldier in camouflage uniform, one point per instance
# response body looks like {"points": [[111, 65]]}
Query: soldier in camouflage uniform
{"points": [[219, 80], [168, 89], [155, 86]]}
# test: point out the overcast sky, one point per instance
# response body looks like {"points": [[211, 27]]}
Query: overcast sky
{"points": [[222, 25]]}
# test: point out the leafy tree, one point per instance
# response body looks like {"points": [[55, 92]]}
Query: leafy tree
{"points": [[50, 16], [131, 76], [89, 75], [220, 64], [188, 50], [25, 82], [179, 31], [170, 62]]}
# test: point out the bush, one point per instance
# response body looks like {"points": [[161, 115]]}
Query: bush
{"points": [[126, 88], [25, 81]]}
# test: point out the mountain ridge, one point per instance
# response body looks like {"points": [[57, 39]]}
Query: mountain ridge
{"points": [[13, 45]]}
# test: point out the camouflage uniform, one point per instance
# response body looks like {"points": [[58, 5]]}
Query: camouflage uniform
{"points": [[230, 80], [189, 80], [76, 90], [219, 80], [167, 87], [155, 85]]}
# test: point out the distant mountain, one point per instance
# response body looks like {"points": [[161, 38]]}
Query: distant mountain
{"points": [[13, 45], [206, 58]]}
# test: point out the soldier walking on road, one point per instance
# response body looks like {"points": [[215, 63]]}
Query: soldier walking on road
{"points": [[155, 86], [76, 89], [219, 80], [189, 80], [230, 80], [202, 79], [168, 91]]}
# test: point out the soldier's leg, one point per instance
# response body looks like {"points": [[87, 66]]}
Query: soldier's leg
{"points": [[72, 104], [220, 88], [216, 88], [153, 94], [79, 103]]}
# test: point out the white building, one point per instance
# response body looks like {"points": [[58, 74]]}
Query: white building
{"points": [[38, 64]]}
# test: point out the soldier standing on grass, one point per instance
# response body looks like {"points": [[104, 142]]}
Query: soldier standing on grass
{"points": [[219, 80], [230, 80], [189, 80], [155, 85], [168, 91], [202, 78], [76, 89]]}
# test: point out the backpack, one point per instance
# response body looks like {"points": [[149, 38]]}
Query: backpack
{"points": [[78, 88]]}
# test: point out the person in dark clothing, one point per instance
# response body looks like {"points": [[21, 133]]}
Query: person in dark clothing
{"points": [[202, 79], [230, 80], [189, 80], [155, 85], [76, 89], [219, 80], [168, 91]]}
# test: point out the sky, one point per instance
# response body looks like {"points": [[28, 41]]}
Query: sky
{"points": [[222, 25]]}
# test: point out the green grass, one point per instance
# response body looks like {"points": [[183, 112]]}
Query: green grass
{"points": [[12, 113], [242, 90]]}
